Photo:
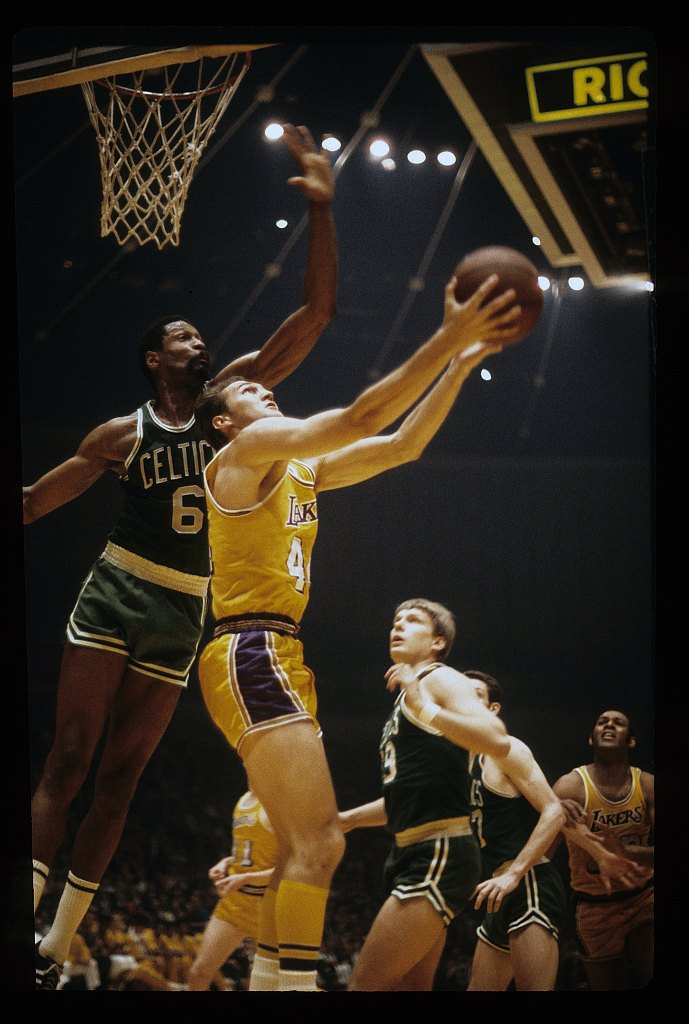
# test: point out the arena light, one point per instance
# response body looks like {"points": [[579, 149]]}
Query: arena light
{"points": [[575, 283], [274, 131], [378, 149], [416, 156], [331, 144], [447, 158]]}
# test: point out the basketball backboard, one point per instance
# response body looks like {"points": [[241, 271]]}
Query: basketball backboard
{"points": [[567, 124]]}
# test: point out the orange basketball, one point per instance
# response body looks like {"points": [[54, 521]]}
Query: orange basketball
{"points": [[514, 271]]}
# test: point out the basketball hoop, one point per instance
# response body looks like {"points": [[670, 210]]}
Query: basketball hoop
{"points": [[150, 143]]}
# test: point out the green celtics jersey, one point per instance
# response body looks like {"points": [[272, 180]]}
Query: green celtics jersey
{"points": [[425, 776], [502, 824], [163, 517]]}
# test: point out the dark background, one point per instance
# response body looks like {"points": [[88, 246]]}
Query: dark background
{"points": [[531, 514]]}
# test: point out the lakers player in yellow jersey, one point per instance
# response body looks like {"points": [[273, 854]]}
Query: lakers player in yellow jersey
{"points": [[615, 801], [240, 879], [262, 488]]}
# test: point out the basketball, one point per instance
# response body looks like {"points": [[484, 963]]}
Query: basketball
{"points": [[514, 271]]}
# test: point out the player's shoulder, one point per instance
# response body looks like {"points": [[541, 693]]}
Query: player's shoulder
{"points": [[521, 749], [111, 438], [438, 673], [571, 784]]}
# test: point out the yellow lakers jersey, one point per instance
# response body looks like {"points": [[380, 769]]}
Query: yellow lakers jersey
{"points": [[627, 818], [261, 556], [254, 847]]}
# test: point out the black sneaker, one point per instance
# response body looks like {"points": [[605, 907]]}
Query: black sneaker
{"points": [[48, 972]]}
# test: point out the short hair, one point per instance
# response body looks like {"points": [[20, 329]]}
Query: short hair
{"points": [[442, 618], [631, 731], [492, 685], [210, 402], [152, 341]]}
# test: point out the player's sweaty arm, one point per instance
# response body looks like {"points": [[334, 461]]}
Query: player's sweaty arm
{"points": [[104, 448]]}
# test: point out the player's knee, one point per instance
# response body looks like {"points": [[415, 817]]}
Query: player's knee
{"points": [[66, 768], [321, 852]]}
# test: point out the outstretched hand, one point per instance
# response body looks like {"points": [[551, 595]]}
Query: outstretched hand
{"points": [[220, 869], [483, 325], [614, 865], [316, 180], [404, 677], [494, 889], [573, 810], [232, 882]]}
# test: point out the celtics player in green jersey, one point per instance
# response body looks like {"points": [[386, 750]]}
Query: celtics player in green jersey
{"points": [[435, 863], [134, 632], [516, 817]]}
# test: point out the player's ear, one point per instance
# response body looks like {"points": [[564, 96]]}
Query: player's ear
{"points": [[631, 742], [221, 421], [590, 741], [439, 644], [152, 359], [495, 707]]}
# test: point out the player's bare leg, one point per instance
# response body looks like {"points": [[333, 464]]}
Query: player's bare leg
{"points": [[141, 713], [288, 772], [220, 939], [403, 934], [491, 969], [82, 711], [422, 976], [535, 958]]}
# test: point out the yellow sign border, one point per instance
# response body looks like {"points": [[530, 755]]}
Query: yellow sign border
{"points": [[568, 112]]}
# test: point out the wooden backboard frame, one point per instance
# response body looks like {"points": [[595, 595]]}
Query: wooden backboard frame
{"points": [[93, 70]]}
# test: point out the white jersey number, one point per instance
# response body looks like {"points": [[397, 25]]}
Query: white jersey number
{"points": [[297, 565], [187, 518], [388, 762]]}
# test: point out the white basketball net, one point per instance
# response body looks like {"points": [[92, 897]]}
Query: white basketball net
{"points": [[150, 143]]}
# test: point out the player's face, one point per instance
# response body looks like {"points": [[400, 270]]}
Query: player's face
{"points": [[481, 691], [184, 350], [611, 731], [413, 637], [246, 401]]}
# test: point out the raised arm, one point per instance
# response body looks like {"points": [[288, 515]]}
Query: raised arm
{"points": [[373, 455], [277, 438], [106, 447], [447, 700], [287, 348], [523, 771]]}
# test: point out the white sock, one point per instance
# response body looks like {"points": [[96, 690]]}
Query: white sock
{"points": [[74, 902], [297, 981], [264, 974]]}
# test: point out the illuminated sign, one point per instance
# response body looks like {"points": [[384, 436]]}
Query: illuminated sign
{"points": [[580, 88]]}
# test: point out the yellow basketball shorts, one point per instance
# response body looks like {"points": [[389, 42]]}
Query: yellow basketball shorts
{"points": [[602, 927], [242, 909], [256, 680]]}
